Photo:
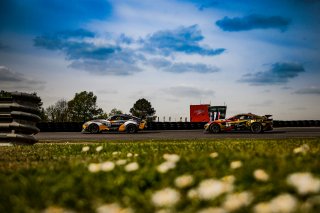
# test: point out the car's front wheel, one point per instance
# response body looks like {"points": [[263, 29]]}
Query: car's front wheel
{"points": [[256, 128], [93, 128], [131, 129], [214, 128]]}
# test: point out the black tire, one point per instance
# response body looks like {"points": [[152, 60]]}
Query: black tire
{"points": [[131, 129], [256, 128], [215, 128], [94, 128]]}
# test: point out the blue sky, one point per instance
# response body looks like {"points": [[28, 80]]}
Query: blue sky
{"points": [[254, 56]]}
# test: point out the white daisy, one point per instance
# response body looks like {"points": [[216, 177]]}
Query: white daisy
{"points": [[167, 197], [183, 181], [131, 167], [85, 148], [304, 183]]}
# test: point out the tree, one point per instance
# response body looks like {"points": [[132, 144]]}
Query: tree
{"points": [[115, 111], [142, 109], [58, 112], [83, 107]]}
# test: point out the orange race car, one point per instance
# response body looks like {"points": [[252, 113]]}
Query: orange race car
{"points": [[241, 122]]}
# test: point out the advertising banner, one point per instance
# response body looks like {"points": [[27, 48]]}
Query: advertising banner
{"points": [[199, 113]]}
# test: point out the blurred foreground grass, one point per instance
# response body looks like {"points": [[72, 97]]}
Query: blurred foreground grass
{"points": [[131, 176]]}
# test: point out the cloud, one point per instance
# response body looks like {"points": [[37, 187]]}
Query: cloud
{"points": [[80, 48], [10, 80], [279, 73], [75, 46], [254, 21], [183, 39], [188, 92], [40, 16], [168, 66], [308, 91], [116, 56]]}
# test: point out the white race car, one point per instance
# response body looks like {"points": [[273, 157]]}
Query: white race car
{"points": [[118, 123]]}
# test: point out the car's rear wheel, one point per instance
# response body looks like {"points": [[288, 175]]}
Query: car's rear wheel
{"points": [[131, 129], [256, 128], [94, 128], [215, 128]]}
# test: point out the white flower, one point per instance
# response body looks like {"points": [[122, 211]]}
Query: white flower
{"points": [[304, 183], [228, 179], [284, 203], [183, 181], [260, 175], [115, 153], [113, 208], [166, 197], [209, 189], [235, 164], [302, 149], [121, 162], [85, 148], [212, 210], [214, 155], [107, 166], [193, 194], [166, 166], [237, 200], [99, 148], [135, 155], [129, 155], [263, 207], [131, 167], [171, 157], [94, 167]]}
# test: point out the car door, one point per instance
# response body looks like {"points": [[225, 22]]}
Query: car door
{"points": [[117, 121]]}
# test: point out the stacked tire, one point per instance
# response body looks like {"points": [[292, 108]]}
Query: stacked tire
{"points": [[19, 114]]}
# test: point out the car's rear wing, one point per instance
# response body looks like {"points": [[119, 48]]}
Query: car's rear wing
{"points": [[269, 117]]}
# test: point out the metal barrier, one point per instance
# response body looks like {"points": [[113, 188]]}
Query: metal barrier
{"points": [[18, 118]]}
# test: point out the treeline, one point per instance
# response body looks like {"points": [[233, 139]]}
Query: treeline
{"points": [[83, 107]]}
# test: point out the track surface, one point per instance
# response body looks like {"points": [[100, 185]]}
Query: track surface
{"points": [[278, 133]]}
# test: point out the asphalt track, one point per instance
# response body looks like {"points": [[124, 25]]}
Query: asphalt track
{"points": [[277, 133]]}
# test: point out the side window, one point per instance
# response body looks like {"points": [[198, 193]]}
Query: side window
{"points": [[125, 118], [113, 118]]}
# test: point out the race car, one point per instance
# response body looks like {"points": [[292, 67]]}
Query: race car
{"points": [[118, 123], [241, 122]]}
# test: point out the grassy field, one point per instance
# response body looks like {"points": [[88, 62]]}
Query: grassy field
{"points": [[162, 176]]}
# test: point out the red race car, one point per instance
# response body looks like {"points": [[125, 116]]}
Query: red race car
{"points": [[241, 122]]}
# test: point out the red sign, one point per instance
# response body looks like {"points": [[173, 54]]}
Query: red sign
{"points": [[199, 113]]}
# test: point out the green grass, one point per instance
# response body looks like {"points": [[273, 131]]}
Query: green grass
{"points": [[42, 176]]}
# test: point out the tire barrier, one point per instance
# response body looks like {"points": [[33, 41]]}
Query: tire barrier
{"points": [[19, 114]]}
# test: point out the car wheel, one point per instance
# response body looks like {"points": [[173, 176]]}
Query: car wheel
{"points": [[215, 128], [131, 129], [94, 128], [256, 128]]}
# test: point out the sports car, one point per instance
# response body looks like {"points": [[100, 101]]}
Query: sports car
{"points": [[241, 122], [118, 123]]}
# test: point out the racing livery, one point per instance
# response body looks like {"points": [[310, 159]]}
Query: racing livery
{"points": [[119, 123], [241, 122]]}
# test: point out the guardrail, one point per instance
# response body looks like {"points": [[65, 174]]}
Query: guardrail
{"points": [[18, 118], [76, 127]]}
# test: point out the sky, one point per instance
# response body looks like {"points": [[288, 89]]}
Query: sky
{"points": [[258, 56]]}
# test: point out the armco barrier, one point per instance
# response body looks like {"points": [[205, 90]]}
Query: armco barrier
{"points": [[18, 118]]}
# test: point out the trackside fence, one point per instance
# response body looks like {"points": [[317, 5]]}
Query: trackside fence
{"points": [[19, 114], [76, 127]]}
